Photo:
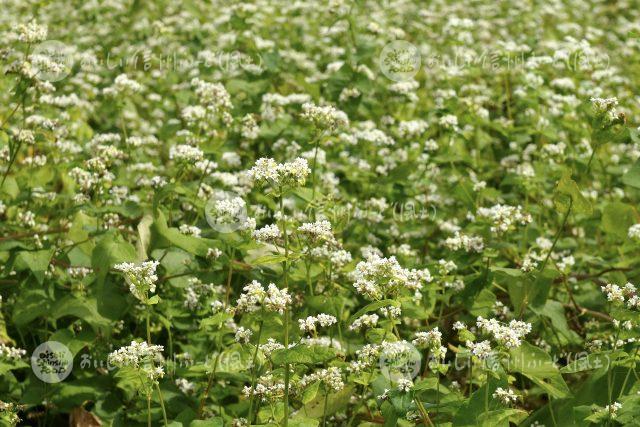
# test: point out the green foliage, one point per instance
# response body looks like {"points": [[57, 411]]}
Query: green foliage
{"points": [[305, 214]]}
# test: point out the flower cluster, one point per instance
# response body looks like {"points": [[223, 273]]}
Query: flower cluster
{"points": [[620, 295], [143, 357], [289, 174], [462, 241], [141, 278], [11, 353], [506, 396], [377, 277], [310, 323], [324, 117], [432, 340], [504, 217], [509, 335], [331, 378], [254, 297]]}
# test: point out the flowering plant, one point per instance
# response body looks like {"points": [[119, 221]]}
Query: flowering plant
{"points": [[338, 212]]}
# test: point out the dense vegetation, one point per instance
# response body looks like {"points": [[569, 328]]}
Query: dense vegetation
{"points": [[330, 212]]}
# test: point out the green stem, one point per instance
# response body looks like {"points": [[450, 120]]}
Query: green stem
{"points": [[425, 416], [486, 397], [632, 367], [209, 383], [313, 171], [555, 240], [149, 410], [286, 311], [148, 327], [164, 411], [324, 409], [470, 375], [553, 417], [229, 276], [254, 373]]}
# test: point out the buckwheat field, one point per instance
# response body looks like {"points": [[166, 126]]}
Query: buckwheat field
{"points": [[319, 213]]}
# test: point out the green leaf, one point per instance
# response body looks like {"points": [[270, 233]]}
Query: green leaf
{"points": [[554, 311], [501, 417], [82, 308], [483, 303], [536, 364], [10, 187], [593, 361], [373, 307], [112, 249], [269, 259], [632, 177], [37, 262], [310, 392], [144, 236], [163, 236], [303, 422], [212, 422], [31, 304], [336, 401], [617, 217], [302, 354], [568, 194], [216, 320]]}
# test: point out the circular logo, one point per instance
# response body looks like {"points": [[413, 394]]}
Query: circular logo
{"points": [[52, 60], [226, 212], [399, 360], [52, 362], [400, 60]]}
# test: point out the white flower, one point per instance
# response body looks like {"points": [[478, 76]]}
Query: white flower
{"points": [[268, 233], [254, 297], [277, 299], [251, 298], [634, 232], [324, 117], [508, 335], [482, 350], [270, 346], [185, 153], [212, 95], [243, 335], [505, 396], [613, 409], [458, 326], [319, 230], [614, 293], [379, 276], [504, 217], [332, 377], [448, 121], [185, 386], [190, 230], [122, 84], [267, 171], [405, 384], [141, 356], [462, 241], [11, 352], [31, 32], [366, 320], [141, 277]]}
